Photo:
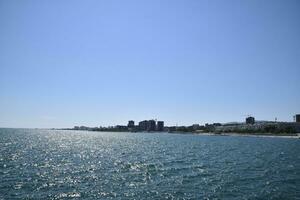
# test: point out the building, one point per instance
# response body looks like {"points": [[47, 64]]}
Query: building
{"points": [[209, 127], [151, 125], [250, 120], [147, 125], [160, 126], [130, 124], [143, 125], [196, 127], [297, 118], [120, 128], [217, 124]]}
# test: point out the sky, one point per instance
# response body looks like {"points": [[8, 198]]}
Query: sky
{"points": [[104, 62]]}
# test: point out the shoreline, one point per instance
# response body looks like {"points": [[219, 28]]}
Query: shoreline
{"points": [[296, 136], [266, 135]]}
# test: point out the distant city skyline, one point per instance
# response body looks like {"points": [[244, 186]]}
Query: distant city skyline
{"points": [[102, 63]]}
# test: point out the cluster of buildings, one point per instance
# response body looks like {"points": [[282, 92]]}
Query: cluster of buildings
{"points": [[146, 125], [143, 126], [249, 126], [252, 126]]}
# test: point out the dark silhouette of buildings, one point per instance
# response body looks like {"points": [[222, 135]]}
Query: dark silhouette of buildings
{"points": [[130, 124], [143, 125], [250, 120], [160, 126], [121, 128], [151, 125], [250, 126], [297, 118]]}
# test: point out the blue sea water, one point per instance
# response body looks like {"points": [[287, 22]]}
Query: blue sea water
{"points": [[52, 164]]}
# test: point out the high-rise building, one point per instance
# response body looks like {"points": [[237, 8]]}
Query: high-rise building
{"points": [[160, 126], [151, 125], [250, 120], [143, 125], [130, 124], [297, 118]]}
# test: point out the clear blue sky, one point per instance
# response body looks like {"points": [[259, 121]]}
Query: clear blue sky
{"points": [[66, 63]]}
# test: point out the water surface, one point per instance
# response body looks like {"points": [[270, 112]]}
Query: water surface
{"points": [[49, 164]]}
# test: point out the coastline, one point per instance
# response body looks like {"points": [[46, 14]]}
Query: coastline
{"points": [[266, 135], [296, 136]]}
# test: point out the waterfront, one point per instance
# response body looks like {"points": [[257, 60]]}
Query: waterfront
{"points": [[56, 164]]}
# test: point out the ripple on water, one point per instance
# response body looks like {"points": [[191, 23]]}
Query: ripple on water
{"points": [[90, 165]]}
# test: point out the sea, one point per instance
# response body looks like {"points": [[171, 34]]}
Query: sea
{"points": [[64, 164]]}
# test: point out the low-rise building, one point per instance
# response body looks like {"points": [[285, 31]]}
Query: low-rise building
{"points": [[196, 127]]}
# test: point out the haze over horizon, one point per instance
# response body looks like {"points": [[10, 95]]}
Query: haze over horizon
{"points": [[100, 63]]}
